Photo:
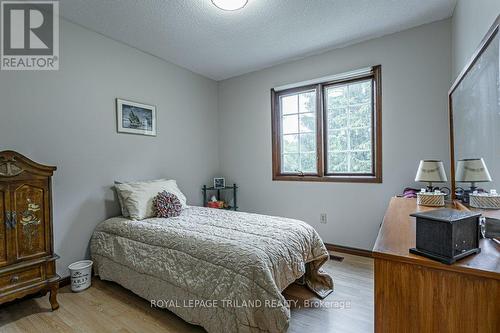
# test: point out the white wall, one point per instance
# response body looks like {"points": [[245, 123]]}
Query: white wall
{"points": [[471, 20], [416, 73], [67, 118]]}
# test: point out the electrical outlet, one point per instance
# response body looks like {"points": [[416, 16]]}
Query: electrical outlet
{"points": [[323, 218]]}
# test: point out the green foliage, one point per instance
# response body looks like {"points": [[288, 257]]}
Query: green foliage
{"points": [[349, 119]]}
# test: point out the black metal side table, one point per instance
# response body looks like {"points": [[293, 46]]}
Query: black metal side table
{"points": [[233, 188]]}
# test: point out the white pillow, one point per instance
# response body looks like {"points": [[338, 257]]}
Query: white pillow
{"points": [[121, 201], [123, 207], [138, 197]]}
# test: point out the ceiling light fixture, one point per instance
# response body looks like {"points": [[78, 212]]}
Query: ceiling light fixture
{"points": [[229, 4]]}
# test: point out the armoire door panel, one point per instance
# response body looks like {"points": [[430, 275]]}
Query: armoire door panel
{"points": [[4, 225], [30, 205]]}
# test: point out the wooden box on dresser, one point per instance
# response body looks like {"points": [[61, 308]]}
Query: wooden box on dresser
{"points": [[27, 259]]}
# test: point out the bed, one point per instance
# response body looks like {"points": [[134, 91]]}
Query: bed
{"points": [[222, 270]]}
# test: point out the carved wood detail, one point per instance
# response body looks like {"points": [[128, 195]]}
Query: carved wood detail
{"points": [[9, 168]]}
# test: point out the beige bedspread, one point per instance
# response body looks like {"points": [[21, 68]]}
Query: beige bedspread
{"points": [[222, 270]]}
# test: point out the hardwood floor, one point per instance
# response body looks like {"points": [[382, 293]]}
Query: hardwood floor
{"points": [[107, 307]]}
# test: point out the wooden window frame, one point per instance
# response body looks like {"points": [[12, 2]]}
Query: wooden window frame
{"points": [[321, 133]]}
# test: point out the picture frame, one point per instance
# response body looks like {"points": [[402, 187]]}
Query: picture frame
{"points": [[135, 118], [219, 183]]}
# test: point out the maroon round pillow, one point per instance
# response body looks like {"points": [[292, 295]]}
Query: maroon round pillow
{"points": [[166, 204]]}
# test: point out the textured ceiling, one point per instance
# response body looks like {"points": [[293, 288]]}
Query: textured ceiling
{"points": [[220, 44]]}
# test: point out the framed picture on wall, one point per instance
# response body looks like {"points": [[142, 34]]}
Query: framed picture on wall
{"points": [[219, 183], [135, 118]]}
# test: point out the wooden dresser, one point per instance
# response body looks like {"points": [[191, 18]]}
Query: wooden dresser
{"points": [[416, 294], [27, 259]]}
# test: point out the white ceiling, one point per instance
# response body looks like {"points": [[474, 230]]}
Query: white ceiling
{"points": [[219, 44]]}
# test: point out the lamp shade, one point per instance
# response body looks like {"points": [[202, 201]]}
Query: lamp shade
{"points": [[431, 171], [472, 170]]}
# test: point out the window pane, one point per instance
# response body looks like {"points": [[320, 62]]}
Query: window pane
{"points": [[336, 97], [289, 104], [307, 102], [308, 162], [290, 124], [307, 122], [337, 118], [361, 162], [338, 141], [360, 92], [298, 135], [308, 143], [291, 143], [361, 115], [337, 163], [361, 139], [290, 163], [349, 129]]}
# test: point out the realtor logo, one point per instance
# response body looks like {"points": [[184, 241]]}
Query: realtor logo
{"points": [[29, 35]]}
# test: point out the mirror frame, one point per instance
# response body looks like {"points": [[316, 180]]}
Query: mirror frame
{"points": [[485, 42]]}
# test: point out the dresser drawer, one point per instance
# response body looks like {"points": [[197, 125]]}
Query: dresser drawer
{"points": [[13, 279]]}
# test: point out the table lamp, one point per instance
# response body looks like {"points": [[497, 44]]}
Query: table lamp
{"points": [[472, 170], [431, 171]]}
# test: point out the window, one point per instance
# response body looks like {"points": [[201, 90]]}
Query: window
{"points": [[329, 131], [298, 128]]}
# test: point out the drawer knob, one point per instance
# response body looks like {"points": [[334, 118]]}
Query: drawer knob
{"points": [[14, 279]]}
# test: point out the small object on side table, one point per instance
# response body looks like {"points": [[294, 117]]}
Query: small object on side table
{"points": [[214, 204], [446, 235], [430, 199], [219, 183], [485, 200]]}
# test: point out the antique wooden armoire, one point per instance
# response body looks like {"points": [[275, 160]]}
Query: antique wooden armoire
{"points": [[27, 258]]}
